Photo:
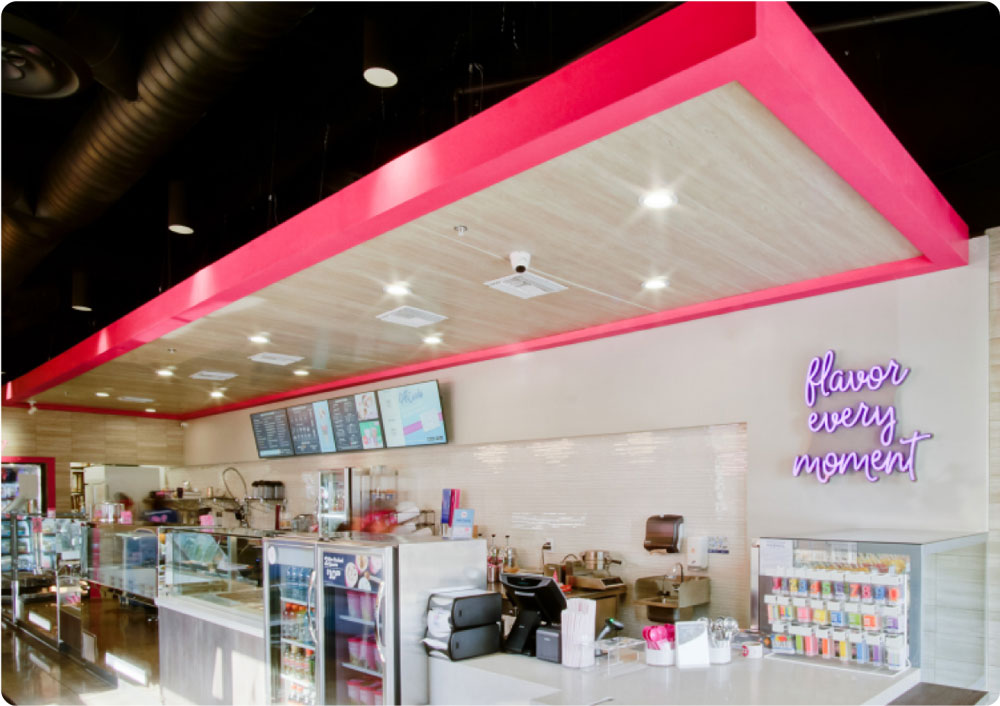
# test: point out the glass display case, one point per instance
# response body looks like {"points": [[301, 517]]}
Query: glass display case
{"points": [[122, 557], [876, 600], [221, 567], [30, 587]]}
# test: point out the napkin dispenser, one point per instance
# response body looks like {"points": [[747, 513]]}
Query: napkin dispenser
{"points": [[463, 624], [664, 533]]}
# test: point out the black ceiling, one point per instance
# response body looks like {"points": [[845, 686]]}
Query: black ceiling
{"points": [[301, 124]]}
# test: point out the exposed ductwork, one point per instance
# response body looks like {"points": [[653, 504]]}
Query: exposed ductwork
{"points": [[118, 140]]}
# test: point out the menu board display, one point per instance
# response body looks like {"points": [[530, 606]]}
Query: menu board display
{"points": [[356, 424], [270, 431], [412, 415], [311, 428]]}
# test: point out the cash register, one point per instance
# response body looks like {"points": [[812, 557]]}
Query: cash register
{"points": [[538, 601]]}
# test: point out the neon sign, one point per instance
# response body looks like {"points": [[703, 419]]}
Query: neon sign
{"points": [[823, 379]]}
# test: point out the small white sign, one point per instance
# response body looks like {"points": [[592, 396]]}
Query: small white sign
{"points": [[275, 358], [775, 554]]}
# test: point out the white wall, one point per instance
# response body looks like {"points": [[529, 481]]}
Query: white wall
{"points": [[748, 367]]}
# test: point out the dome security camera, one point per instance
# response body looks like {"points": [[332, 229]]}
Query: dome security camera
{"points": [[519, 260]]}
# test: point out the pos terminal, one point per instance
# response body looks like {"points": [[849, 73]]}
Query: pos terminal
{"points": [[538, 601]]}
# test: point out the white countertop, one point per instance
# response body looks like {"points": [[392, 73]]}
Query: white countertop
{"points": [[514, 679]]}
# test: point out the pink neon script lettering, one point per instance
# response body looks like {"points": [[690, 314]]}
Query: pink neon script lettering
{"points": [[849, 417], [822, 377], [824, 467]]}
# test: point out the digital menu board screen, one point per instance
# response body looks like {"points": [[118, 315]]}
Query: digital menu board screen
{"points": [[412, 415], [311, 428], [356, 424], [270, 431]]}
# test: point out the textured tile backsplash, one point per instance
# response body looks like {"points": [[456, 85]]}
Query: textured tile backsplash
{"points": [[592, 492]]}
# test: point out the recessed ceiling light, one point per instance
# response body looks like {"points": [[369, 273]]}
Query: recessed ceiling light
{"points": [[215, 393], [461, 230], [164, 372], [180, 229], [81, 307], [260, 338], [101, 394], [383, 78], [432, 339], [302, 373], [398, 289], [151, 409], [656, 283], [661, 198]]}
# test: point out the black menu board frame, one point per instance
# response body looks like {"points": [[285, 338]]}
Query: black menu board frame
{"points": [[285, 450], [349, 428], [294, 426], [439, 407]]}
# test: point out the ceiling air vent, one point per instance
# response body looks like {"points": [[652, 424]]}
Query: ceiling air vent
{"points": [[411, 316], [525, 285], [275, 358]]}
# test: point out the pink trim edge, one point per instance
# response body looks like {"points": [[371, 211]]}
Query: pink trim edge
{"points": [[683, 53]]}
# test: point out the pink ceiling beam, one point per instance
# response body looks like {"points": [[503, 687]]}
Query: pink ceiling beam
{"points": [[686, 52]]}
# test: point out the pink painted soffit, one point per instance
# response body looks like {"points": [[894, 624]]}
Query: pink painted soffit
{"points": [[686, 52]]}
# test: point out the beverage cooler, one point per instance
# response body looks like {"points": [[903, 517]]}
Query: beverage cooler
{"points": [[875, 600], [345, 615]]}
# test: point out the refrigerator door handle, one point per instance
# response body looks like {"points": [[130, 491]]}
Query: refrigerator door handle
{"points": [[310, 613], [379, 643]]}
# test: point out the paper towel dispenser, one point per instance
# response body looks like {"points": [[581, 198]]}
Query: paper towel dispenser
{"points": [[664, 533]]}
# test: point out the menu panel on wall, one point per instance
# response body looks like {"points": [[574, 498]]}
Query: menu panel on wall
{"points": [[412, 415], [356, 424], [270, 431], [311, 428]]}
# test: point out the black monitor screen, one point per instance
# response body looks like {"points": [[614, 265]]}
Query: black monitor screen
{"points": [[412, 415], [270, 431], [356, 424], [311, 428], [537, 593]]}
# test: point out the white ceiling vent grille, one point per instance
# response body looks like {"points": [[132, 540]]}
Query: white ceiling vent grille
{"points": [[275, 358], [411, 316], [525, 285]]}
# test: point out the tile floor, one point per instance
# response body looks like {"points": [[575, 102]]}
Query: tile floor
{"points": [[33, 673]]}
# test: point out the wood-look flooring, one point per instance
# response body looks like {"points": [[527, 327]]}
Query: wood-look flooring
{"points": [[34, 673]]}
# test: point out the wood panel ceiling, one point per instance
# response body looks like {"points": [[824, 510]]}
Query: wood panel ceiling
{"points": [[756, 209]]}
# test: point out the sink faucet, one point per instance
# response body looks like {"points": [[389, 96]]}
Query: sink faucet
{"points": [[672, 577]]}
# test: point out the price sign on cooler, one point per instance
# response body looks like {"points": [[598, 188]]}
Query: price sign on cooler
{"points": [[333, 568]]}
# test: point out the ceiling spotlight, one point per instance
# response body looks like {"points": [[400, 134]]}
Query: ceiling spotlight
{"points": [[101, 394], [378, 67], [432, 340], [260, 338], [31, 407], [165, 372], [461, 230], [177, 217], [656, 283], [301, 373], [150, 409], [398, 289], [660, 199], [216, 394]]}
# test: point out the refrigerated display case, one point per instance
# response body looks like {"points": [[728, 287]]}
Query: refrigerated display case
{"points": [[359, 499], [345, 624], [290, 624], [211, 585], [875, 600]]}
